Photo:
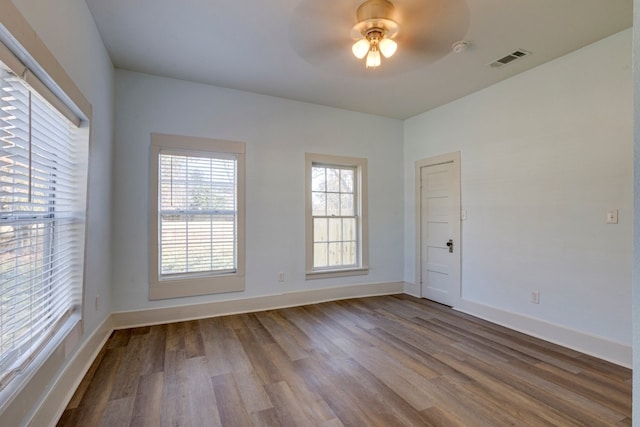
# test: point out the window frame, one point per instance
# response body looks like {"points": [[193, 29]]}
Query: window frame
{"points": [[199, 283], [360, 203]]}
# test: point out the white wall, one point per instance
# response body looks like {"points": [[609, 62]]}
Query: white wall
{"points": [[277, 132], [544, 154], [67, 29]]}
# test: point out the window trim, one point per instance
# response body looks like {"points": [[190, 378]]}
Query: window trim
{"points": [[181, 286], [360, 164]]}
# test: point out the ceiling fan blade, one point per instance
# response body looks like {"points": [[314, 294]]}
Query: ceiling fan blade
{"points": [[320, 29], [434, 25]]}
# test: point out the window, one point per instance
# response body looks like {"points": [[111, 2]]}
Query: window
{"points": [[43, 176], [336, 216], [197, 226]]}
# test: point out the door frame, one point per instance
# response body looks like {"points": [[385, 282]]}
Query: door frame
{"points": [[454, 159]]}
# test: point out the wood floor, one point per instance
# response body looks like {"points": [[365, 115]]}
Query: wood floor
{"points": [[382, 361]]}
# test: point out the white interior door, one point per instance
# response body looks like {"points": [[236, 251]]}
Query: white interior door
{"points": [[439, 221]]}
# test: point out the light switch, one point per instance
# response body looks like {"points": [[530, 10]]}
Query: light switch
{"points": [[612, 216], [463, 214]]}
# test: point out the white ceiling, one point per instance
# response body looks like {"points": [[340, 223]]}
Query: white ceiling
{"points": [[263, 46]]}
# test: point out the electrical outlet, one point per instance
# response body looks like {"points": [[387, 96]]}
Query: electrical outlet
{"points": [[281, 276], [535, 297]]}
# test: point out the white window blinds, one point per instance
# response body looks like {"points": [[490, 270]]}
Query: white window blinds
{"points": [[198, 214], [41, 223]]}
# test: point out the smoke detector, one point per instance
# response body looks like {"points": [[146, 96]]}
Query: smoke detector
{"points": [[460, 46]]}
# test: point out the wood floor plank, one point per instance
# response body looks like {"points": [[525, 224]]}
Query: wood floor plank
{"points": [[379, 361], [436, 417], [314, 408], [95, 399], [154, 350], [520, 394], [403, 381], [294, 333], [203, 402], [598, 392], [118, 412], [287, 407], [125, 382], [469, 408], [264, 368], [147, 407], [321, 343], [416, 351], [175, 406], [214, 341], [288, 343], [252, 392], [119, 338], [388, 406], [352, 403], [265, 418], [231, 408]]}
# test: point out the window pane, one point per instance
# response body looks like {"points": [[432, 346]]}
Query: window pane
{"points": [[223, 240], [173, 234], [174, 186], [349, 253], [346, 181], [333, 204], [333, 180], [335, 229], [349, 229], [319, 204], [199, 243], [320, 259], [335, 254], [318, 179], [320, 229], [346, 205]]}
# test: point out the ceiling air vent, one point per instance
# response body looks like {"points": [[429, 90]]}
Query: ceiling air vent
{"points": [[513, 56]]}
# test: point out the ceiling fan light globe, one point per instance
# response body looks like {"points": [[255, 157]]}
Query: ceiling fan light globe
{"points": [[373, 59], [388, 47], [360, 48]]}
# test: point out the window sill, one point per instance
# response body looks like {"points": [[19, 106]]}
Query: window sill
{"points": [[42, 368], [193, 286], [327, 274]]}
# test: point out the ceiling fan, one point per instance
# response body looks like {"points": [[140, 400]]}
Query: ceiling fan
{"points": [[375, 32], [329, 33]]}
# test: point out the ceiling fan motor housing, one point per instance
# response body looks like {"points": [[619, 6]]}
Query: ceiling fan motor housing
{"points": [[375, 20], [375, 9]]}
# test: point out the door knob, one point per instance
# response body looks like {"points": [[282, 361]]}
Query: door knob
{"points": [[450, 244]]}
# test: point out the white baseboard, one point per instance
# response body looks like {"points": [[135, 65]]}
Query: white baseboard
{"points": [[412, 289], [602, 348], [130, 319], [56, 400]]}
